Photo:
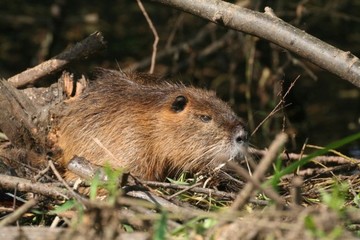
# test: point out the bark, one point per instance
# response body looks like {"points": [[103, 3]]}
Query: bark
{"points": [[17, 118]]}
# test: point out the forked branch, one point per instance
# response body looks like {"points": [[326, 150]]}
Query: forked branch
{"points": [[269, 27]]}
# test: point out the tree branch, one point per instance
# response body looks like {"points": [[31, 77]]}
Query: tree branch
{"points": [[83, 49], [24, 185], [273, 29]]}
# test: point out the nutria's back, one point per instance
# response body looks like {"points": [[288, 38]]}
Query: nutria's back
{"points": [[152, 129]]}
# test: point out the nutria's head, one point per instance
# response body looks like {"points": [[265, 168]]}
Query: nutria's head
{"points": [[198, 131]]}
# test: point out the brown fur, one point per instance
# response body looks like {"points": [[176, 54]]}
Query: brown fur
{"points": [[130, 122]]}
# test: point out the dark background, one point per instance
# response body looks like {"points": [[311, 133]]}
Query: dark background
{"points": [[248, 72]]}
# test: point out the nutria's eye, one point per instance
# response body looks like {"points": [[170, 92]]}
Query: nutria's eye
{"points": [[179, 104], [205, 118]]}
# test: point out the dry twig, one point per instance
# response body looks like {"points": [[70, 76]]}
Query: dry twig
{"points": [[13, 217], [265, 162], [256, 183], [24, 185], [153, 29], [185, 46], [318, 159], [277, 107]]}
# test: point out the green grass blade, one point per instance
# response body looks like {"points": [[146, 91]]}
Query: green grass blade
{"points": [[292, 167], [160, 227]]}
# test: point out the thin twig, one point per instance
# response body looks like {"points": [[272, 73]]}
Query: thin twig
{"points": [[301, 152], [276, 108], [318, 159], [256, 183], [295, 191], [58, 176], [315, 172], [153, 29], [183, 46], [18, 213], [265, 162], [333, 151], [195, 189], [184, 190], [41, 173], [202, 190]]}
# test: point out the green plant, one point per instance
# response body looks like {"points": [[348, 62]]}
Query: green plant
{"points": [[111, 185], [336, 199], [160, 227], [183, 179], [311, 226], [198, 225], [68, 205]]}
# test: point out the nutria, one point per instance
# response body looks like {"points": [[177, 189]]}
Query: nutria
{"points": [[154, 129]]}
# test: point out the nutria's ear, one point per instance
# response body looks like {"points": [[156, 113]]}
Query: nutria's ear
{"points": [[179, 104]]}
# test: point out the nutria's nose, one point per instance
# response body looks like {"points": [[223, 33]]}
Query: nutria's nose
{"points": [[241, 136]]}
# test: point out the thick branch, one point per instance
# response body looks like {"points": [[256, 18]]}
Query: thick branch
{"points": [[83, 49], [266, 26]]}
